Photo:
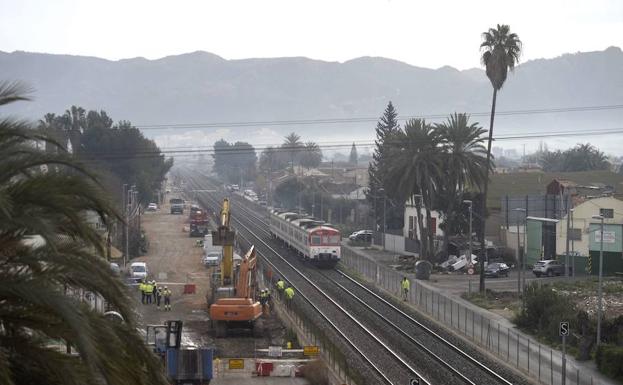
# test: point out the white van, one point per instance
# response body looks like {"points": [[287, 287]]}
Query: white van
{"points": [[138, 270]]}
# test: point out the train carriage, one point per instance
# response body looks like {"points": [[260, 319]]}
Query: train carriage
{"points": [[316, 241]]}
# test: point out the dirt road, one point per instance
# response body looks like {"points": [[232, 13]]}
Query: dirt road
{"points": [[173, 261]]}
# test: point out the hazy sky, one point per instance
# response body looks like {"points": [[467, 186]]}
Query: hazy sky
{"points": [[424, 33]]}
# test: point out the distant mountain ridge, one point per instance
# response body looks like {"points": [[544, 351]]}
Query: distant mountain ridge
{"points": [[202, 87]]}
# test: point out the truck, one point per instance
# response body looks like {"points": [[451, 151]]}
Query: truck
{"points": [[177, 205], [182, 365], [198, 222]]}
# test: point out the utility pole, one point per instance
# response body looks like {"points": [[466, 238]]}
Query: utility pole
{"points": [[127, 225], [567, 240], [469, 205], [599, 293]]}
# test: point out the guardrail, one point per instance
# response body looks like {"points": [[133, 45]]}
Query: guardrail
{"points": [[539, 361]]}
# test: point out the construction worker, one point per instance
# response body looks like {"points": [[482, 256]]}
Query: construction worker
{"points": [[289, 293], [158, 296], [149, 289], [166, 293], [280, 287], [405, 284], [154, 287], [262, 297], [267, 290], [141, 288]]}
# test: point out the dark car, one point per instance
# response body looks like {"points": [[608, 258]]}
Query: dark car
{"points": [[497, 269]]}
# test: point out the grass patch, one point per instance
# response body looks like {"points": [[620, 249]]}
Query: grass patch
{"points": [[493, 300]]}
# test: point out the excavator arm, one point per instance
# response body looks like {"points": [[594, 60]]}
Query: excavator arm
{"points": [[225, 236], [245, 285]]}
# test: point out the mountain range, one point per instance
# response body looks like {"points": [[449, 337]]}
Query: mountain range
{"points": [[201, 87]]}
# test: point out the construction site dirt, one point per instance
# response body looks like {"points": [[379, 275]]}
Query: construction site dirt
{"points": [[174, 260]]}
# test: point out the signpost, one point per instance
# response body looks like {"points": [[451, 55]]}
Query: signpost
{"points": [[563, 330], [414, 381], [236, 363], [311, 350]]}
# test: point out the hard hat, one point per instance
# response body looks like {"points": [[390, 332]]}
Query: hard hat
{"points": [[166, 287]]}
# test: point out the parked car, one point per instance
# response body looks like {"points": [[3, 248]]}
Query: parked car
{"points": [[549, 267], [211, 258], [361, 235], [138, 270], [152, 207], [497, 269], [116, 270]]}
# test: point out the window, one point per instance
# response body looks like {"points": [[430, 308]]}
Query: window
{"points": [[315, 240], [575, 234], [334, 239], [606, 213]]}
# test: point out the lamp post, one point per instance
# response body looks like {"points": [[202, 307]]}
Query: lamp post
{"points": [[382, 191], [469, 204], [521, 256], [599, 294]]}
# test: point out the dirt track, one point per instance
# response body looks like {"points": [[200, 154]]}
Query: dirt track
{"points": [[173, 260]]}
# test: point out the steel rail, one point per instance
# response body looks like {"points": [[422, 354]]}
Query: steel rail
{"points": [[413, 320], [344, 311], [429, 331]]}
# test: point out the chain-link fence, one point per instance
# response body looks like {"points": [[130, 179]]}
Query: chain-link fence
{"points": [[539, 361]]}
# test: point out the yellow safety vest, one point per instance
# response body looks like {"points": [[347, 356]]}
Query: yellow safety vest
{"points": [[289, 293], [406, 284], [280, 285]]}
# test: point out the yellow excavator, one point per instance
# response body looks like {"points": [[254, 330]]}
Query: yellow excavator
{"points": [[232, 300]]}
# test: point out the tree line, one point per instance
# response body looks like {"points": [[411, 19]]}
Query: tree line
{"points": [[119, 151]]}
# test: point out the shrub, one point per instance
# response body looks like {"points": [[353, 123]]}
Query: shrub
{"points": [[608, 359], [543, 310]]}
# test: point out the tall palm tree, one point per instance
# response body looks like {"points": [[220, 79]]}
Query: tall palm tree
{"points": [[311, 155], [36, 277], [464, 160], [293, 146], [415, 164], [501, 52]]}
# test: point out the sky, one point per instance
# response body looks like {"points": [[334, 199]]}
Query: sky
{"points": [[424, 33]]}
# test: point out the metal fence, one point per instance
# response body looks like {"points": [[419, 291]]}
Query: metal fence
{"points": [[538, 361]]}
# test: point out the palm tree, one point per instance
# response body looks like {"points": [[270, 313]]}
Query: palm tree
{"points": [[36, 277], [416, 166], [464, 160], [502, 50], [311, 155], [292, 145]]}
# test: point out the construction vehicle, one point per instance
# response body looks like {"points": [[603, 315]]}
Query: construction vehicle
{"points": [[183, 365], [198, 222], [232, 299]]}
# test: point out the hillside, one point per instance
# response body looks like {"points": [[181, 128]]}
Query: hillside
{"points": [[202, 87]]}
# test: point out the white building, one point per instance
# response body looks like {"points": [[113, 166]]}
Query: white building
{"points": [[410, 229], [581, 217]]}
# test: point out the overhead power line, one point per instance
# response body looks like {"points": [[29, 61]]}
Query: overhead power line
{"points": [[209, 150], [267, 123]]}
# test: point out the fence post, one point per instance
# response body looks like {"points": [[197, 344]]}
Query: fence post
{"points": [[517, 334], [539, 362], [508, 345], [528, 355], [551, 367], [498, 339]]}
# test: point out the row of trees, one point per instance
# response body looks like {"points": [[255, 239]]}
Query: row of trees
{"points": [[120, 152], [291, 152], [235, 162], [433, 166], [582, 157]]}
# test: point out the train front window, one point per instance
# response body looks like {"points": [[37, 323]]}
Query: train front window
{"points": [[315, 240], [334, 240]]}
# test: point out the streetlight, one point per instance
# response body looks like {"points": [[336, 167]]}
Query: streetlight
{"points": [[382, 191], [601, 257], [469, 204], [521, 256]]}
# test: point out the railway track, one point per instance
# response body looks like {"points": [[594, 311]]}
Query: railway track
{"points": [[410, 346]]}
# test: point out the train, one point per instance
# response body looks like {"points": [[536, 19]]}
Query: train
{"points": [[316, 241]]}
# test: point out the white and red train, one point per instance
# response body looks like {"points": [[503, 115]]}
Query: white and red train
{"points": [[316, 241]]}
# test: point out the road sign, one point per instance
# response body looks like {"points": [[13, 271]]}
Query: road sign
{"points": [[563, 330], [414, 381], [311, 350], [470, 271], [236, 363]]}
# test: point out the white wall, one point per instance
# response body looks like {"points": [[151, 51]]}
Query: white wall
{"points": [[582, 218], [411, 211]]}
